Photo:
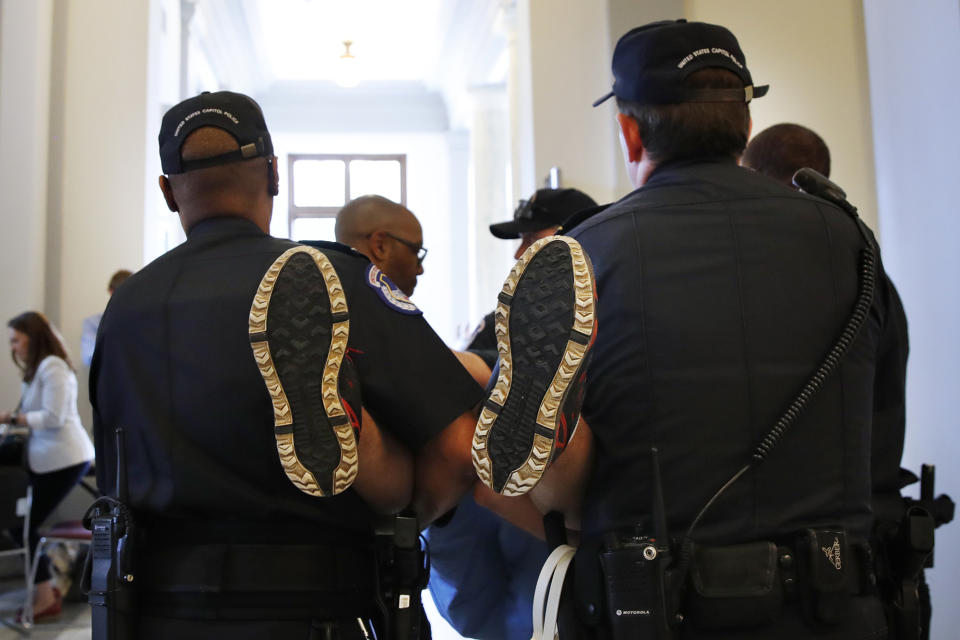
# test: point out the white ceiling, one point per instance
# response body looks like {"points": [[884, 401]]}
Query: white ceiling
{"points": [[393, 40], [425, 43]]}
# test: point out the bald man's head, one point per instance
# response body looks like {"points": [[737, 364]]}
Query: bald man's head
{"points": [[387, 233], [366, 214], [243, 189]]}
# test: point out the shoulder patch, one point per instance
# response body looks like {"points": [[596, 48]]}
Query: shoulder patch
{"points": [[389, 293]]}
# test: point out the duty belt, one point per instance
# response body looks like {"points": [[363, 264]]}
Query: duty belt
{"points": [[252, 581], [222, 568], [746, 585], [860, 579]]}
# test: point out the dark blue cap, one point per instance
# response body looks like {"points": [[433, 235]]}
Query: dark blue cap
{"points": [[650, 64], [235, 113]]}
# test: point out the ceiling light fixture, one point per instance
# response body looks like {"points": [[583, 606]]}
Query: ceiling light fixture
{"points": [[347, 71]]}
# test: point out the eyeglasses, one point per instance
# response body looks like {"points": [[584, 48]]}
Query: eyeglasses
{"points": [[418, 250]]}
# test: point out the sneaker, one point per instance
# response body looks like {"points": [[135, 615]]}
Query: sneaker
{"points": [[299, 326], [545, 326]]}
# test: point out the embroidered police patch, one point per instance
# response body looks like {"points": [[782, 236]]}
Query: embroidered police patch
{"points": [[389, 292]]}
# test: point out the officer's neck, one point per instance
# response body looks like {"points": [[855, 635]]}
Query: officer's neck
{"points": [[639, 172]]}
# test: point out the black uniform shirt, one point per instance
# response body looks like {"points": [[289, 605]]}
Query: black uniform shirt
{"points": [[483, 342], [720, 292], [174, 367]]}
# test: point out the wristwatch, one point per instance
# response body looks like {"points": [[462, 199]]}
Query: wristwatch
{"points": [[14, 417]]}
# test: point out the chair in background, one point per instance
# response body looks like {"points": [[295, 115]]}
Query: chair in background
{"points": [[16, 498], [68, 532]]}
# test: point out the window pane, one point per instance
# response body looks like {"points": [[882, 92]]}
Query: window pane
{"points": [[313, 229], [380, 177], [318, 183]]}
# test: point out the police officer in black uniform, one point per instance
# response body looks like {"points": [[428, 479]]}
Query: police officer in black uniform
{"points": [[720, 294], [226, 545]]}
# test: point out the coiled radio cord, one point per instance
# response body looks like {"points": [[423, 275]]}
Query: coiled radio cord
{"points": [[815, 184]]}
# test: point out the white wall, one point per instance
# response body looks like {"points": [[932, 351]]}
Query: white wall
{"points": [[491, 199], [98, 164], [570, 68], [72, 153], [25, 37], [560, 63], [161, 227], [814, 59], [813, 55], [915, 102], [624, 15]]}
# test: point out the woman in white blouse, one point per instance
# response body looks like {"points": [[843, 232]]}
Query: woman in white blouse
{"points": [[59, 450]]}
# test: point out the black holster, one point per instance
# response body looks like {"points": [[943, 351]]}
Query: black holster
{"points": [[904, 550], [827, 572], [903, 547], [402, 572]]}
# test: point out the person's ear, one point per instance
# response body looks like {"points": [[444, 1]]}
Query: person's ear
{"points": [[273, 177], [379, 247], [168, 194], [631, 136]]}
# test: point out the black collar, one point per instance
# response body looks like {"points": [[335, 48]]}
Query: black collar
{"points": [[224, 224], [681, 163]]}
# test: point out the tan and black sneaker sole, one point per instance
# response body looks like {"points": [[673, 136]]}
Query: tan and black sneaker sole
{"points": [[545, 324], [299, 326]]}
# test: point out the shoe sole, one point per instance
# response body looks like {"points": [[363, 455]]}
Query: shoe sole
{"points": [[299, 327], [545, 325]]}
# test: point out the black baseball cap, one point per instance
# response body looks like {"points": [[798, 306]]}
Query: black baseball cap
{"points": [[650, 64], [235, 113], [547, 208]]}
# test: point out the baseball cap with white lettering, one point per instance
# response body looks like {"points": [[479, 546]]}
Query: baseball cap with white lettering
{"points": [[650, 64], [235, 113]]}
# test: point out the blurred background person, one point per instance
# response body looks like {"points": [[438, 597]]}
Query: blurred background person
{"points": [[780, 150], [59, 450], [88, 339]]}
